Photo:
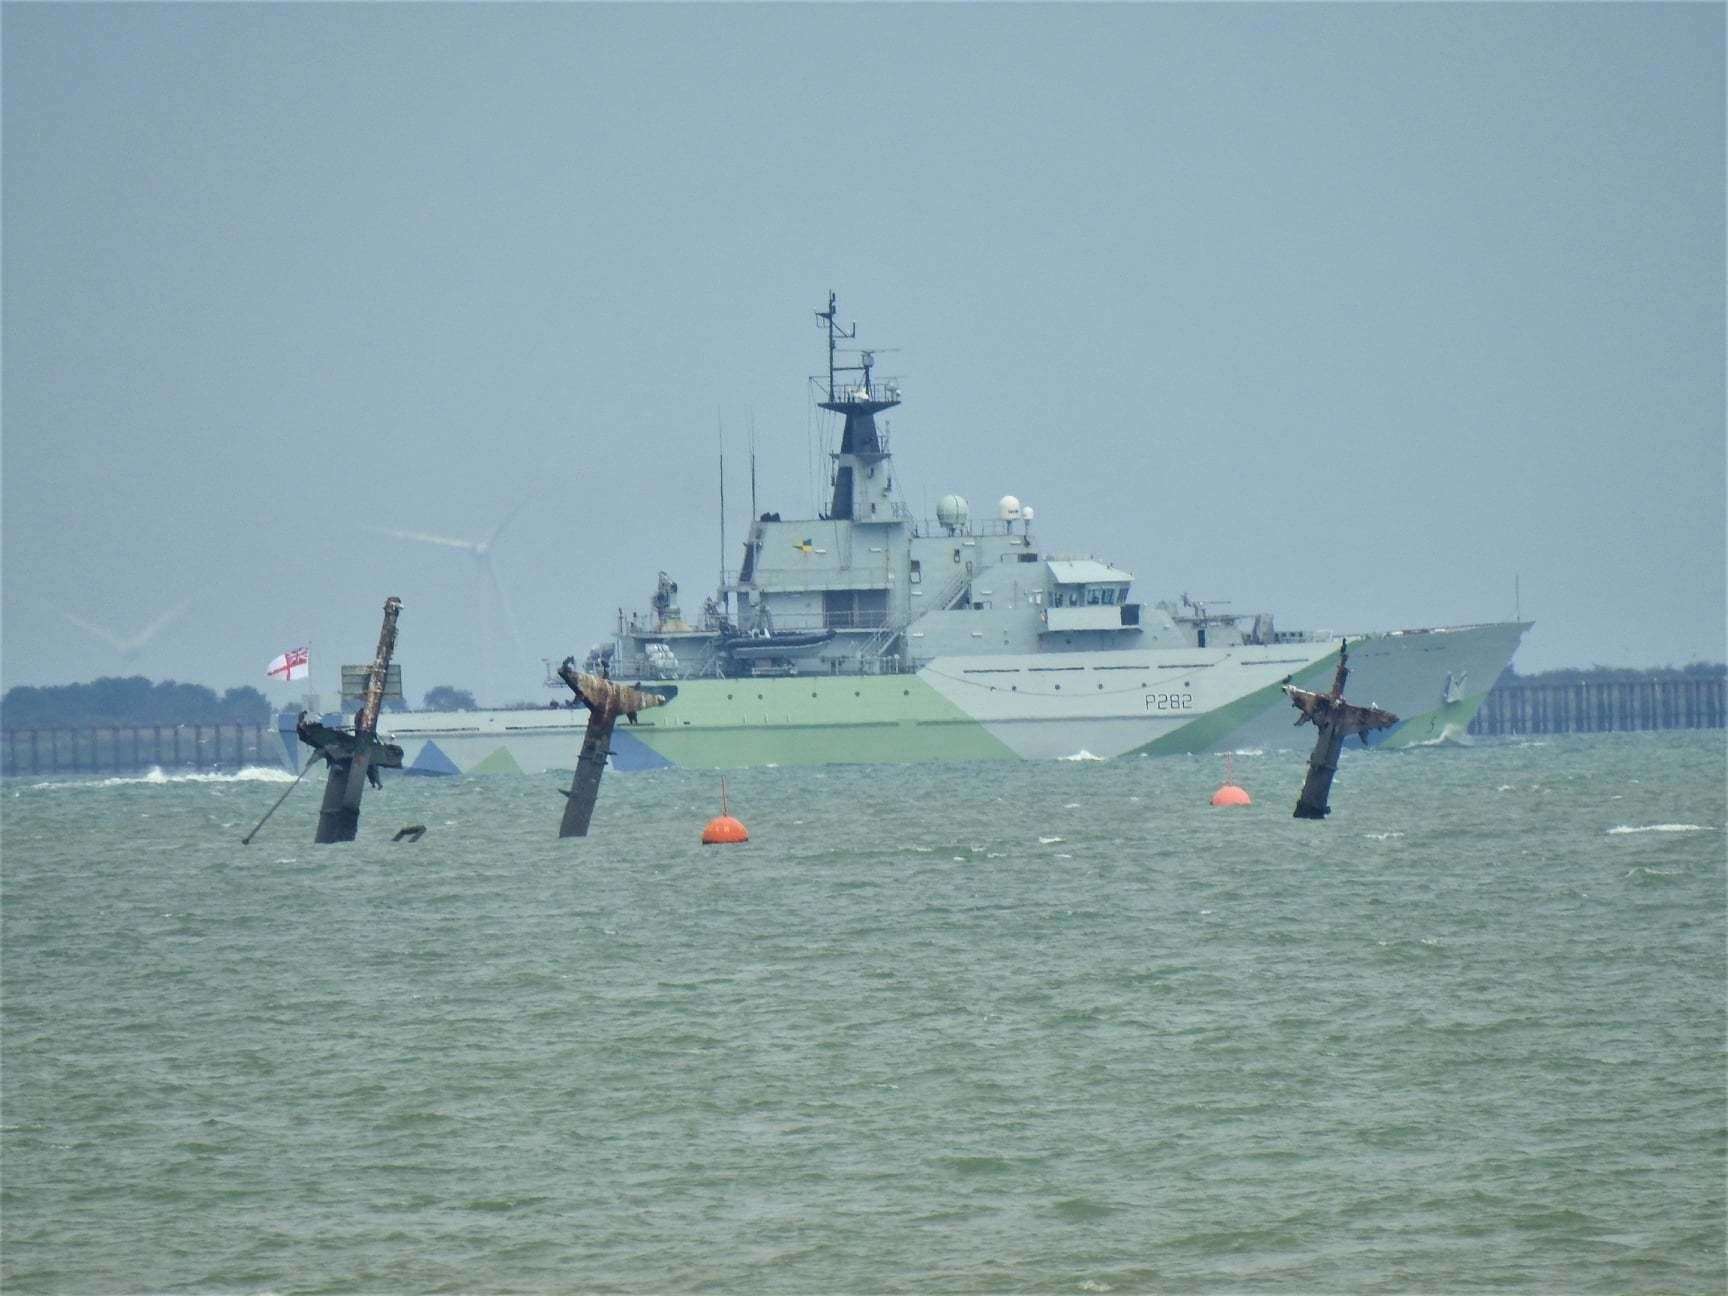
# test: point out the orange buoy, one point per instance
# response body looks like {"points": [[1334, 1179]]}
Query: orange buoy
{"points": [[723, 829], [1230, 794]]}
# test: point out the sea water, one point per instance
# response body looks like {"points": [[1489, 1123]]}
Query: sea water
{"points": [[1055, 1027]]}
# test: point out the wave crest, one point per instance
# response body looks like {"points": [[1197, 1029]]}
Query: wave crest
{"points": [[156, 777], [1661, 827]]}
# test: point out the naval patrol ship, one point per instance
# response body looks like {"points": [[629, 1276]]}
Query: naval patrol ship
{"points": [[866, 634]]}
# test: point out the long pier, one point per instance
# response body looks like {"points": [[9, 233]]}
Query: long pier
{"points": [[1602, 706], [134, 749]]}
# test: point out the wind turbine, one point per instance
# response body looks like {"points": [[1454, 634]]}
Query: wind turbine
{"points": [[491, 590], [130, 647]]}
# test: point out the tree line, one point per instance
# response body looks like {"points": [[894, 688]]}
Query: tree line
{"points": [[1615, 674], [135, 700], [129, 700]]}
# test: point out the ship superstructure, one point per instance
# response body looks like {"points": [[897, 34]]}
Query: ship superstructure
{"points": [[868, 634], [866, 588]]}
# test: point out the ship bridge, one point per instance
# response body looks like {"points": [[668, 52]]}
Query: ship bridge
{"points": [[1086, 594]]}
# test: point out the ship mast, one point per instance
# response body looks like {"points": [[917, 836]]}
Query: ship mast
{"points": [[861, 447], [720, 436]]}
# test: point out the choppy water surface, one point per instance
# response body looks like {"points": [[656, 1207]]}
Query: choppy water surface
{"points": [[1056, 1027]]}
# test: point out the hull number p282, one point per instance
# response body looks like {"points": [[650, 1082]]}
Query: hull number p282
{"points": [[1169, 701]]}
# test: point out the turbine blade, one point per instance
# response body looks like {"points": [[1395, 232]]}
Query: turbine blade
{"points": [[421, 536], [504, 606], [156, 627], [100, 632], [510, 516]]}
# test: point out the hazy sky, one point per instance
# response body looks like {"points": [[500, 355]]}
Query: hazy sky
{"points": [[1351, 313]]}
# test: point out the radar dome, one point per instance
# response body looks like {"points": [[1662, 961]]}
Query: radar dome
{"points": [[953, 512], [1026, 514], [1008, 508]]}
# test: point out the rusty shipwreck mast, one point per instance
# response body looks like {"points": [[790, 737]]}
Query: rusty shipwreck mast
{"points": [[354, 758], [606, 701], [1336, 720]]}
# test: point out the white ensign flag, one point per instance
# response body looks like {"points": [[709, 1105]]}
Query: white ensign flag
{"points": [[295, 664]]}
